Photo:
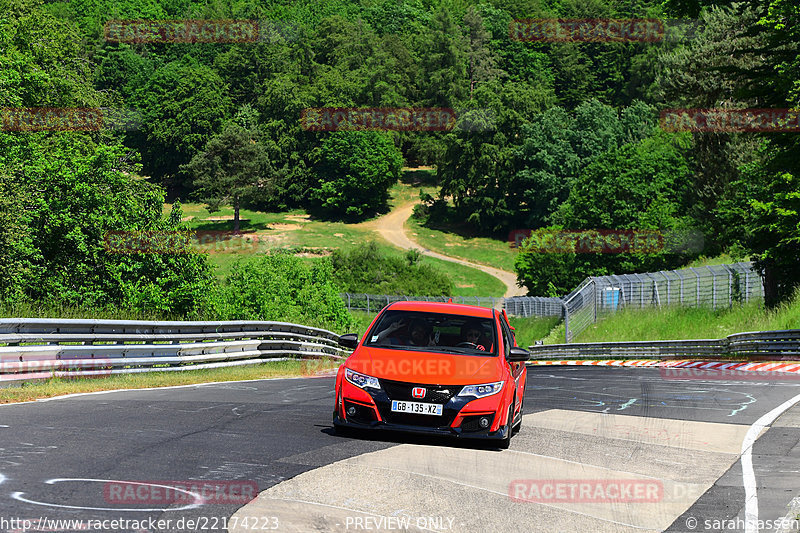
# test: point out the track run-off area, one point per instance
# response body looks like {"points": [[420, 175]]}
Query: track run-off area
{"points": [[601, 449]]}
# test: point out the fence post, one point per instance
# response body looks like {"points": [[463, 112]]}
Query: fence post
{"points": [[678, 273], [713, 288], [747, 285], [367, 303], [595, 297], [668, 287], [697, 301], [566, 321], [730, 285]]}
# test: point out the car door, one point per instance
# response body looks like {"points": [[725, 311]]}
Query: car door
{"points": [[516, 368]]}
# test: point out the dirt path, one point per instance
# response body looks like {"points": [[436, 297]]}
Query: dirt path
{"points": [[392, 228]]}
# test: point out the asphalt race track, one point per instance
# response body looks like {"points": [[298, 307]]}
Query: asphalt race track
{"points": [[671, 446]]}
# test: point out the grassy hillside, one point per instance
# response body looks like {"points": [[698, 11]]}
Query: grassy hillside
{"points": [[311, 237], [685, 323]]}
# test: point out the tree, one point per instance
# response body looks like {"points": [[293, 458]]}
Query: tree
{"points": [[762, 210], [642, 185], [81, 230], [183, 105], [354, 171], [445, 62], [232, 166], [481, 62]]}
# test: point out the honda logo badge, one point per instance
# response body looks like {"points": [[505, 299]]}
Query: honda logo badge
{"points": [[418, 392]]}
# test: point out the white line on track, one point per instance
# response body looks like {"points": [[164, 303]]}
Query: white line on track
{"points": [[198, 500], [748, 475]]}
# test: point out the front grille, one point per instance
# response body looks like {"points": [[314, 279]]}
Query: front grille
{"points": [[399, 390]]}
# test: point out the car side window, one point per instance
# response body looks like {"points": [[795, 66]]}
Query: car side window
{"points": [[508, 338]]}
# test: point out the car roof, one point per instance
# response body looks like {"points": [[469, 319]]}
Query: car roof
{"points": [[441, 307]]}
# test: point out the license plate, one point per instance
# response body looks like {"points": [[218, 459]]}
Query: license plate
{"points": [[417, 408]]}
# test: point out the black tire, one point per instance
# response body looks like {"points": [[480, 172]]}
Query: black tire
{"points": [[506, 441], [518, 424]]}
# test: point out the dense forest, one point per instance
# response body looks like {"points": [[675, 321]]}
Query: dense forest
{"points": [[548, 135]]}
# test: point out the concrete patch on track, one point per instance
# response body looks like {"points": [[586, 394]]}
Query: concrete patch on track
{"points": [[790, 419], [440, 488], [683, 434]]}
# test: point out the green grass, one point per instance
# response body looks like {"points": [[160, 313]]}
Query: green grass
{"points": [[723, 259], [676, 323], [297, 229], [530, 329], [468, 281], [363, 320], [42, 310], [481, 250], [408, 189], [58, 386]]}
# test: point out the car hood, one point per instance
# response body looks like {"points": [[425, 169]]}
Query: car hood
{"points": [[426, 367]]}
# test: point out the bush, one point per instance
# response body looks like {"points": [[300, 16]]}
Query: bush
{"points": [[68, 198], [642, 185], [283, 288], [355, 170], [367, 269]]}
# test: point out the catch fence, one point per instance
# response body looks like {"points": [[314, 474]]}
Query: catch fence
{"points": [[715, 286]]}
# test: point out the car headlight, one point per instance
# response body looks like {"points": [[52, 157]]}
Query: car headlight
{"points": [[482, 391], [361, 380]]}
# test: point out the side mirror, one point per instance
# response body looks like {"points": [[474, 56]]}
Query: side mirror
{"points": [[518, 355], [348, 340]]}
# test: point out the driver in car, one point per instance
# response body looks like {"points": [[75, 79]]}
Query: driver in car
{"points": [[419, 333], [471, 333]]}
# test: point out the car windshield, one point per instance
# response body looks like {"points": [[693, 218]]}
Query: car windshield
{"points": [[434, 332]]}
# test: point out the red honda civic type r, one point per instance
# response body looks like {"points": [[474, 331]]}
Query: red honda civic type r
{"points": [[434, 368]]}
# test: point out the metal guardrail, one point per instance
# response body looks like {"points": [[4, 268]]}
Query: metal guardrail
{"points": [[773, 345], [41, 348]]}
